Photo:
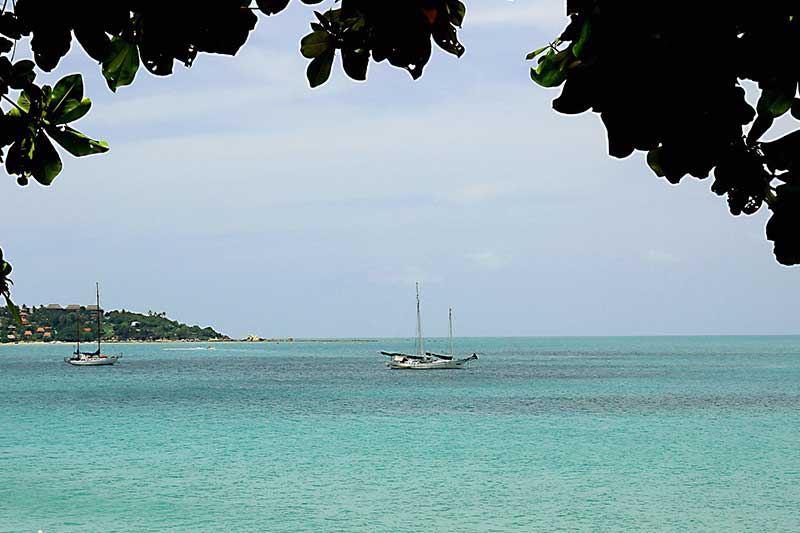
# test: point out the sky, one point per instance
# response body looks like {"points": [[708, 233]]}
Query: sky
{"points": [[237, 197]]}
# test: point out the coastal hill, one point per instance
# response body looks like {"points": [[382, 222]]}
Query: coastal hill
{"points": [[56, 323]]}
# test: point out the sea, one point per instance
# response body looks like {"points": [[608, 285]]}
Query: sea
{"points": [[539, 434]]}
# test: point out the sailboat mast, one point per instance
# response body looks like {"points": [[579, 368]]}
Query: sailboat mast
{"points": [[97, 284], [420, 342], [450, 317], [78, 330]]}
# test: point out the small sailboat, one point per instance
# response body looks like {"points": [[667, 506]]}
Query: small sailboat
{"points": [[95, 358], [423, 360]]}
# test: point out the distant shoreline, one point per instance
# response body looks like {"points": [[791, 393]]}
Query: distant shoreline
{"points": [[255, 338], [328, 340], [168, 341]]}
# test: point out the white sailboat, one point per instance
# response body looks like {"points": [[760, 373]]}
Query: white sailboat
{"points": [[95, 358], [423, 360]]}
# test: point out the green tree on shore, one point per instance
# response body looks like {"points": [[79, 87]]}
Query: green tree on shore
{"points": [[66, 325]]}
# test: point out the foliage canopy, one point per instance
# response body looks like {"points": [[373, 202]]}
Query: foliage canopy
{"points": [[665, 78]]}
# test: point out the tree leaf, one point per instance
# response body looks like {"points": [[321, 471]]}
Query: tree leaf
{"points": [[315, 44], [576, 96], [536, 52], [585, 36], [326, 20], [5, 45], [22, 74], [782, 153], [121, 65], [319, 70], [45, 162], [759, 128], [5, 271], [76, 142], [782, 226], [10, 25], [72, 110], [654, 161], [5, 267], [271, 7], [13, 310], [457, 11], [355, 63], [68, 88], [446, 37], [94, 41], [24, 103], [431, 15], [550, 72], [51, 42], [18, 157], [776, 102]]}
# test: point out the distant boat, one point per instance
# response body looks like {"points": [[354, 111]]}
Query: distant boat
{"points": [[95, 358], [423, 360]]}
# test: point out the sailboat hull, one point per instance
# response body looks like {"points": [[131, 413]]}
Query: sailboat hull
{"points": [[102, 360], [453, 364]]}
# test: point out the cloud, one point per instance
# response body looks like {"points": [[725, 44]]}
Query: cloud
{"points": [[488, 260], [473, 193]]}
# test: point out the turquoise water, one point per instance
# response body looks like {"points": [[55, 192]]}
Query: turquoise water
{"points": [[543, 434]]}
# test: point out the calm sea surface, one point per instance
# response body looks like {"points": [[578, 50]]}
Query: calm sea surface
{"points": [[542, 434]]}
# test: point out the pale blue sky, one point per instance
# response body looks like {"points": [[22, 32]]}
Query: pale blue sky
{"points": [[234, 196]]}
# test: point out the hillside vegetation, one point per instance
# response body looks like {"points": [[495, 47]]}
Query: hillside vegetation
{"points": [[43, 324]]}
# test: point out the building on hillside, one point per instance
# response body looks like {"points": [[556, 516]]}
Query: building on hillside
{"points": [[73, 307], [87, 330], [93, 308], [40, 329], [47, 335], [28, 333], [54, 307]]}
